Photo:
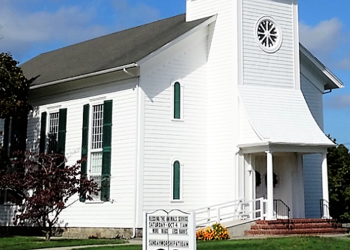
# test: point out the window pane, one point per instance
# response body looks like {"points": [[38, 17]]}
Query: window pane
{"points": [[176, 180], [177, 100], [53, 132], [96, 170], [97, 126]]}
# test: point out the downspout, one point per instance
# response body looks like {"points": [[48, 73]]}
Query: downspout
{"points": [[329, 91], [138, 152]]}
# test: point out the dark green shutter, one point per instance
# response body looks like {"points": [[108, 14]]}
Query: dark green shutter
{"points": [[176, 180], [85, 139], [62, 129], [43, 132], [106, 149], [177, 100]]}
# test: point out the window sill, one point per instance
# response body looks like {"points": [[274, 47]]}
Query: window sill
{"points": [[95, 202], [176, 201], [177, 120]]}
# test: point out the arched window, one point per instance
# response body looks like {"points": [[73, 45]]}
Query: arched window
{"points": [[176, 180], [177, 100]]}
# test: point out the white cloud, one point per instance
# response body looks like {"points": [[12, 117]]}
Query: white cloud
{"points": [[42, 25], [323, 38], [329, 41], [23, 30], [338, 101], [344, 63]]}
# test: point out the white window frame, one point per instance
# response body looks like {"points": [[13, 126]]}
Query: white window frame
{"points": [[181, 200], [182, 88], [48, 119], [96, 102]]}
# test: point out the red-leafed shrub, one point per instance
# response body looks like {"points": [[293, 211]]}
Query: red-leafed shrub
{"points": [[42, 186]]}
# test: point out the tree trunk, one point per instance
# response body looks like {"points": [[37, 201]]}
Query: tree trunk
{"points": [[48, 235]]}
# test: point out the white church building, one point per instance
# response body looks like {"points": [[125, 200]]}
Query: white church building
{"points": [[221, 105]]}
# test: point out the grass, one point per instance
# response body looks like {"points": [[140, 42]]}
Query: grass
{"points": [[24, 243], [293, 243], [288, 243]]}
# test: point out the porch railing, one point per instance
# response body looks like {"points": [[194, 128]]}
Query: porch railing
{"points": [[240, 209], [282, 210]]}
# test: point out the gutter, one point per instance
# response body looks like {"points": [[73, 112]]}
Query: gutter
{"points": [[102, 72]]}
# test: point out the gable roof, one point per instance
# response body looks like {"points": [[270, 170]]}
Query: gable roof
{"points": [[331, 81], [110, 51]]}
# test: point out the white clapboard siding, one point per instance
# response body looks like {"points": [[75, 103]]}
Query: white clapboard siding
{"points": [[313, 97], [6, 215], [259, 67], [247, 133], [166, 140], [222, 101], [120, 212]]}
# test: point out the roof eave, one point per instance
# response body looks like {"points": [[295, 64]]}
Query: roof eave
{"points": [[263, 146], [97, 73], [336, 82]]}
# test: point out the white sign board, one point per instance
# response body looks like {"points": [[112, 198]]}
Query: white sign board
{"points": [[169, 230]]}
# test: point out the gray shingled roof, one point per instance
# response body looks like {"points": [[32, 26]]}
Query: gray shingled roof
{"points": [[110, 51]]}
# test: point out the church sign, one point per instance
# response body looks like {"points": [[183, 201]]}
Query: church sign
{"points": [[169, 230]]}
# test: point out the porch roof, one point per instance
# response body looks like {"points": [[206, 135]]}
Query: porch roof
{"points": [[281, 121]]}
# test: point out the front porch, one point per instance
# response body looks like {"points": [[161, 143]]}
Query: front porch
{"points": [[276, 173]]}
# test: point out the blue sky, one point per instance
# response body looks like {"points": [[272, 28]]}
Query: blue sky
{"points": [[31, 27]]}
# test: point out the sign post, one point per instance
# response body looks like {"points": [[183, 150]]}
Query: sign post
{"points": [[169, 230]]}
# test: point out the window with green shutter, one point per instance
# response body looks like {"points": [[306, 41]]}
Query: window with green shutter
{"points": [[176, 180], [54, 132], [177, 100], [96, 146]]}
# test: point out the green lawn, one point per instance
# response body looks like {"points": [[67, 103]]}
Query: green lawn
{"points": [[290, 243], [295, 243], [24, 243]]}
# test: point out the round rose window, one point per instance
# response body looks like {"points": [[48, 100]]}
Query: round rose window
{"points": [[268, 34]]}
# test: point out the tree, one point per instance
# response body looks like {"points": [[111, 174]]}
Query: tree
{"points": [[42, 186], [14, 87], [339, 182]]}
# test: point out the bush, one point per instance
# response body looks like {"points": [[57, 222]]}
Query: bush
{"points": [[215, 232]]}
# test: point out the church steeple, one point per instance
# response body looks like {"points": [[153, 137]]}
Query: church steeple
{"points": [[263, 34]]}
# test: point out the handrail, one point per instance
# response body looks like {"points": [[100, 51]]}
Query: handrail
{"points": [[233, 210], [285, 208], [220, 204]]}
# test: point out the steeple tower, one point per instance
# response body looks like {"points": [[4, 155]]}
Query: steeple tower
{"points": [[263, 35]]}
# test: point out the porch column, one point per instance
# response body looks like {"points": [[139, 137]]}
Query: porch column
{"points": [[269, 174], [325, 194]]}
